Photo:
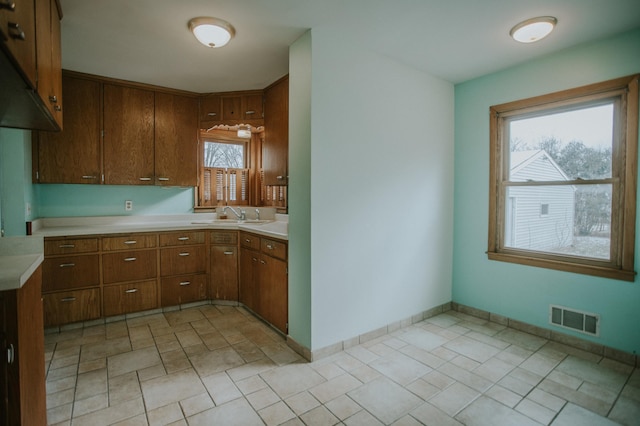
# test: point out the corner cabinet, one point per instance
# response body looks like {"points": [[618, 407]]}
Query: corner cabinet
{"points": [[22, 372], [275, 148]]}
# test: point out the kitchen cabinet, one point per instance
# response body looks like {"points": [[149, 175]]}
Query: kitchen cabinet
{"points": [[263, 278], [122, 299], [30, 64], [73, 155], [210, 108], [275, 147], [71, 280], [232, 108], [183, 267], [128, 135], [176, 140], [22, 372], [49, 65], [224, 265]]}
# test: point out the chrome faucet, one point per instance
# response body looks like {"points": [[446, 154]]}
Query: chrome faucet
{"points": [[241, 216], [257, 214]]}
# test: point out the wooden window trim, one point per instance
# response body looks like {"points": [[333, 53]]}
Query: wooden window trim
{"points": [[624, 205]]}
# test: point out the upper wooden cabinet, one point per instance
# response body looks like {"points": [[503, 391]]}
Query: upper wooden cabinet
{"points": [[128, 135], [73, 155], [232, 108], [176, 140], [275, 148], [30, 60]]}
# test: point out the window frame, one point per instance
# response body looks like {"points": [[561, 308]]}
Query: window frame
{"points": [[624, 179]]}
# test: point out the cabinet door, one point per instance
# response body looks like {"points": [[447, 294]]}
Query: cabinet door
{"points": [[252, 107], [73, 155], [224, 272], [48, 57], [129, 266], [248, 289], [132, 297], [71, 306], [231, 108], [128, 136], [183, 289], [210, 108], [183, 260], [71, 272], [276, 133], [176, 140], [273, 292], [17, 33]]}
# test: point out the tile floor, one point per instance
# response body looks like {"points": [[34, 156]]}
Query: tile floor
{"points": [[218, 365]]}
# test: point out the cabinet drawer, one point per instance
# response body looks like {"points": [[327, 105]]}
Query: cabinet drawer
{"points": [[249, 241], [224, 237], [274, 248], [183, 260], [181, 238], [129, 266], [70, 272], [71, 306], [129, 242], [70, 246], [183, 289], [133, 297]]}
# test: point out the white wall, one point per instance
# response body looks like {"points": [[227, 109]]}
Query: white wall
{"points": [[381, 190]]}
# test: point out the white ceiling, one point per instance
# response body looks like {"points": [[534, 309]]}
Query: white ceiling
{"points": [[148, 40]]}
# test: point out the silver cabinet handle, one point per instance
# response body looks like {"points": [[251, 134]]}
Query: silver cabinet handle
{"points": [[53, 99], [145, 179], [247, 240], [57, 108], [131, 242], [68, 299], [212, 114], [16, 32], [183, 238], [89, 177], [10, 354], [163, 179], [67, 265], [129, 259], [250, 112], [269, 246], [8, 5], [183, 283], [227, 253], [133, 290], [254, 259], [67, 246], [184, 254], [280, 177], [263, 262]]}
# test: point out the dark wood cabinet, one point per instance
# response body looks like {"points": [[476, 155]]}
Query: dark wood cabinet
{"points": [[275, 147], [48, 51], [22, 370], [73, 155], [128, 135], [18, 37], [224, 265], [125, 298], [64, 307], [183, 267], [183, 289], [176, 140]]}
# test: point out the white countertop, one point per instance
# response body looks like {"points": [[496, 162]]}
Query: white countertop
{"points": [[276, 227], [19, 258]]}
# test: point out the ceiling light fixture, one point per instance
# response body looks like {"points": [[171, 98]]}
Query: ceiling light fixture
{"points": [[212, 32], [244, 131], [533, 29]]}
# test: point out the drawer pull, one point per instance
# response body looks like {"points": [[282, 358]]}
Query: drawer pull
{"points": [[67, 246], [254, 259], [8, 5], [269, 246], [163, 179], [16, 32], [212, 114], [145, 179], [184, 254], [88, 177], [227, 253], [11, 352], [183, 238], [183, 283], [53, 99], [129, 259], [247, 240], [67, 265], [131, 242], [133, 290], [68, 299], [263, 262], [250, 112]]}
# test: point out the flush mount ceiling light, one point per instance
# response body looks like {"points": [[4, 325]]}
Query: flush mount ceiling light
{"points": [[533, 29], [212, 32], [244, 132]]}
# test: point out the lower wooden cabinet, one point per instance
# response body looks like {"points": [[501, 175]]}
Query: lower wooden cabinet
{"points": [[223, 258], [122, 299], [183, 289], [22, 373], [124, 266], [71, 306]]}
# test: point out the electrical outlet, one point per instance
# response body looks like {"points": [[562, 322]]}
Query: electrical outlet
{"points": [[128, 205]]}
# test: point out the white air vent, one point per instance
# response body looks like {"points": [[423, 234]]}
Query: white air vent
{"points": [[584, 322]]}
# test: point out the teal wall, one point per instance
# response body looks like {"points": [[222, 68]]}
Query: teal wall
{"points": [[521, 292], [16, 191], [55, 200]]}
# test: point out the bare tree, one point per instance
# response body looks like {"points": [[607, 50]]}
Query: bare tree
{"points": [[224, 155]]}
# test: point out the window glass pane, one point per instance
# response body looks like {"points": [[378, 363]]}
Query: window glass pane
{"points": [[562, 146], [224, 155], [577, 221]]}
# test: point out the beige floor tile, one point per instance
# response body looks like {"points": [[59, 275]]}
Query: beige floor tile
{"points": [[320, 416], [132, 361], [251, 384], [422, 338], [165, 415], [90, 405], [262, 398], [473, 349], [386, 400], [423, 389], [302, 402], [400, 368], [140, 420], [124, 388], [171, 388], [466, 377], [535, 411], [493, 370], [486, 411], [504, 395], [91, 383], [572, 415], [60, 398], [325, 392], [292, 379], [196, 404], [234, 413], [112, 414], [454, 398], [221, 388], [211, 362], [594, 373], [59, 414], [626, 411], [276, 414], [105, 348], [343, 407], [431, 416]]}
